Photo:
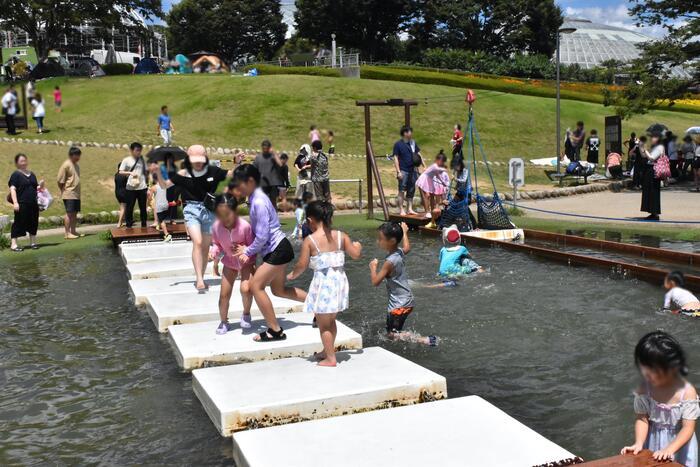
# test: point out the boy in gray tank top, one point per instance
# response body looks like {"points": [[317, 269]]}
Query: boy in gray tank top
{"points": [[393, 270]]}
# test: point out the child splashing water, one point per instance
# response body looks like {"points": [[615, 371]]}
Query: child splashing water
{"points": [[228, 232], [678, 299], [666, 405], [394, 272], [324, 251], [455, 260]]}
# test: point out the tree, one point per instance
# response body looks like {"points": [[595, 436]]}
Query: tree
{"points": [[497, 27], [46, 21], [656, 80], [232, 28], [366, 25]]}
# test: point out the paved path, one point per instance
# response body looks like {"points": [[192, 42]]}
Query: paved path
{"points": [[676, 205]]}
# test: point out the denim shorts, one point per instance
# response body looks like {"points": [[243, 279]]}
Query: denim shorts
{"points": [[196, 215], [408, 183]]}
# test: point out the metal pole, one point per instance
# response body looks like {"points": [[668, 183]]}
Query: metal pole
{"points": [[340, 50], [359, 195], [333, 50], [558, 110]]}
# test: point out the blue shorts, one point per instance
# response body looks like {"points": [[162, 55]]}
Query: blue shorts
{"points": [[196, 215], [408, 183]]}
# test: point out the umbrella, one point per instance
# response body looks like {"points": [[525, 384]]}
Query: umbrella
{"points": [[693, 131], [161, 153], [111, 56], [657, 129]]}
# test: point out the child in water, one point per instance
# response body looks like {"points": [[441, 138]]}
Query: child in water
{"points": [[228, 232], [455, 260], [665, 404], [393, 270], [324, 251], [678, 299]]}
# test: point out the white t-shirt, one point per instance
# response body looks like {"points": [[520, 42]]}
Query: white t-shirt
{"points": [[39, 110], [9, 103], [655, 153], [678, 297], [161, 199], [139, 169]]}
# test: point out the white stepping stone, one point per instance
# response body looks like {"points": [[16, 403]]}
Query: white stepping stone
{"points": [[163, 268], [198, 345], [275, 392], [193, 307], [156, 251], [462, 432], [142, 288]]}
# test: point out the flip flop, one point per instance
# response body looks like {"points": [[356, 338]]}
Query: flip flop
{"points": [[34, 246], [17, 250]]}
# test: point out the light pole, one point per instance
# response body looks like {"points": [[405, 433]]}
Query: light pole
{"points": [[333, 50], [563, 30]]}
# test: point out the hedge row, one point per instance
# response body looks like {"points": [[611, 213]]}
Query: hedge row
{"points": [[118, 68], [295, 70]]}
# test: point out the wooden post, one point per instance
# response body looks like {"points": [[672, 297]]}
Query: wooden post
{"points": [[407, 114], [368, 138]]}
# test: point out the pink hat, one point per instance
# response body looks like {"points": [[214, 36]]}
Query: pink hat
{"points": [[197, 153]]}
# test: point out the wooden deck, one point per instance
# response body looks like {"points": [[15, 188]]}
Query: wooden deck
{"points": [[136, 234], [643, 459]]}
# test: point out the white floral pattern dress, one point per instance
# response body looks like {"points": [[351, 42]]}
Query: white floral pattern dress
{"points": [[665, 422], [329, 288]]}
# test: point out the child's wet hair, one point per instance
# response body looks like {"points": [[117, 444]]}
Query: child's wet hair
{"points": [[392, 230], [677, 278], [321, 211], [230, 201], [659, 350]]}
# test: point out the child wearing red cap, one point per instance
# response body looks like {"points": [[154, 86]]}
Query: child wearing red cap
{"points": [[455, 259]]}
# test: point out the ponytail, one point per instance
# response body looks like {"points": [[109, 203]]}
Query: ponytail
{"points": [[320, 211]]}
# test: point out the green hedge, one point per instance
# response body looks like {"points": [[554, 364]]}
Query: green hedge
{"points": [[118, 68], [295, 70]]}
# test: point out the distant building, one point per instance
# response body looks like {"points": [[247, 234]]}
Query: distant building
{"points": [[86, 40]]}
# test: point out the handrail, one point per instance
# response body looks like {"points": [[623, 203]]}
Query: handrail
{"points": [[378, 178]]}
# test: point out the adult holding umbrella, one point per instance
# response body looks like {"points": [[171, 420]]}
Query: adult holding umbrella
{"points": [[651, 184]]}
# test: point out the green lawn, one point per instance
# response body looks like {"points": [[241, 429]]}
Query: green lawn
{"points": [[232, 111]]}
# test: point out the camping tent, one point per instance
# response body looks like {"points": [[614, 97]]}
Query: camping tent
{"points": [[209, 64], [147, 66], [47, 69]]}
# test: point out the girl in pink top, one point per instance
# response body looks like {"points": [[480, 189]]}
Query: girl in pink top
{"points": [[57, 98], [227, 233], [434, 183]]}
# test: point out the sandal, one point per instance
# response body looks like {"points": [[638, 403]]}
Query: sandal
{"points": [[34, 246], [17, 250], [269, 335]]}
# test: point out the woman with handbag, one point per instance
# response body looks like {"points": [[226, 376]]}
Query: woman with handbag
{"points": [[134, 168], [198, 181], [657, 168], [23, 197]]}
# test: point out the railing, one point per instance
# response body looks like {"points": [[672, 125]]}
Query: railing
{"points": [[342, 61]]}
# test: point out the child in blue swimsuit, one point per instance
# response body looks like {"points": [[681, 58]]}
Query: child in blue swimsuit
{"points": [[455, 260]]}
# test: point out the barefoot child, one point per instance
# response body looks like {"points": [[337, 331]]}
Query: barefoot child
{"points": [[678, 299], [666, 405], [269, 242], [228, 232], [161, 207], [394, 272], [324, 251], [455, 260]]}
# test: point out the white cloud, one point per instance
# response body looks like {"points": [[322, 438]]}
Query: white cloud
{"points": [[614, 15]]}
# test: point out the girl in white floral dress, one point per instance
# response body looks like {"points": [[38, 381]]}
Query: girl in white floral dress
{"points": [[666, 405], [324, 251]]}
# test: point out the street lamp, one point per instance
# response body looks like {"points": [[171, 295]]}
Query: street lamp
{"points": [[333, 50], [562, 30]]}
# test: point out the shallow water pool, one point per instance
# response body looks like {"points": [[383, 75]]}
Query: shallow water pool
{"points": [[87, 379]]}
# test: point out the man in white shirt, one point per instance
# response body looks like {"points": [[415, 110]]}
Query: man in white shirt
{"points": [[9, 109]]}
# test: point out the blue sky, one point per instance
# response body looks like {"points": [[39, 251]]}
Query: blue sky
{"points": [[612, 12]]}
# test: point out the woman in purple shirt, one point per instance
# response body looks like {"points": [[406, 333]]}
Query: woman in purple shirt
{"points": [[270, 243]]}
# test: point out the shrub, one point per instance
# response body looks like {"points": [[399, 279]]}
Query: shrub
{"points": [[118, 68], [294, 70]]}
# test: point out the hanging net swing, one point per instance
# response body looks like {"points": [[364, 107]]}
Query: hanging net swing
{"points": [[490, 211]]}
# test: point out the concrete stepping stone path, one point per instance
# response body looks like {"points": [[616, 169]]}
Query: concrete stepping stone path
{"points": [[275, 392], [168, 267], [197, 345], [142, 288], [155, 251]]}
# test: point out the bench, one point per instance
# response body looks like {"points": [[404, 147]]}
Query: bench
{"points": [[560, 177]]}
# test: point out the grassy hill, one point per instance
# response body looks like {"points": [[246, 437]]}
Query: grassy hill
{"points": [[239, 112]]}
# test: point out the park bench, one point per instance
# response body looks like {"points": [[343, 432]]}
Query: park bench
{"points": [[560, 177]]}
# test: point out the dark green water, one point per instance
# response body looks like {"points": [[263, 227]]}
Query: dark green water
{"points": [[87, 380]]}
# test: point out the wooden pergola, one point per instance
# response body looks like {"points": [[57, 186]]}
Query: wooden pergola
{"points": [[372, 170]]}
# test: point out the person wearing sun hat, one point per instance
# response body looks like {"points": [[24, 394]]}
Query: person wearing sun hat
{"points": [[455, 259], [199, 181]]}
